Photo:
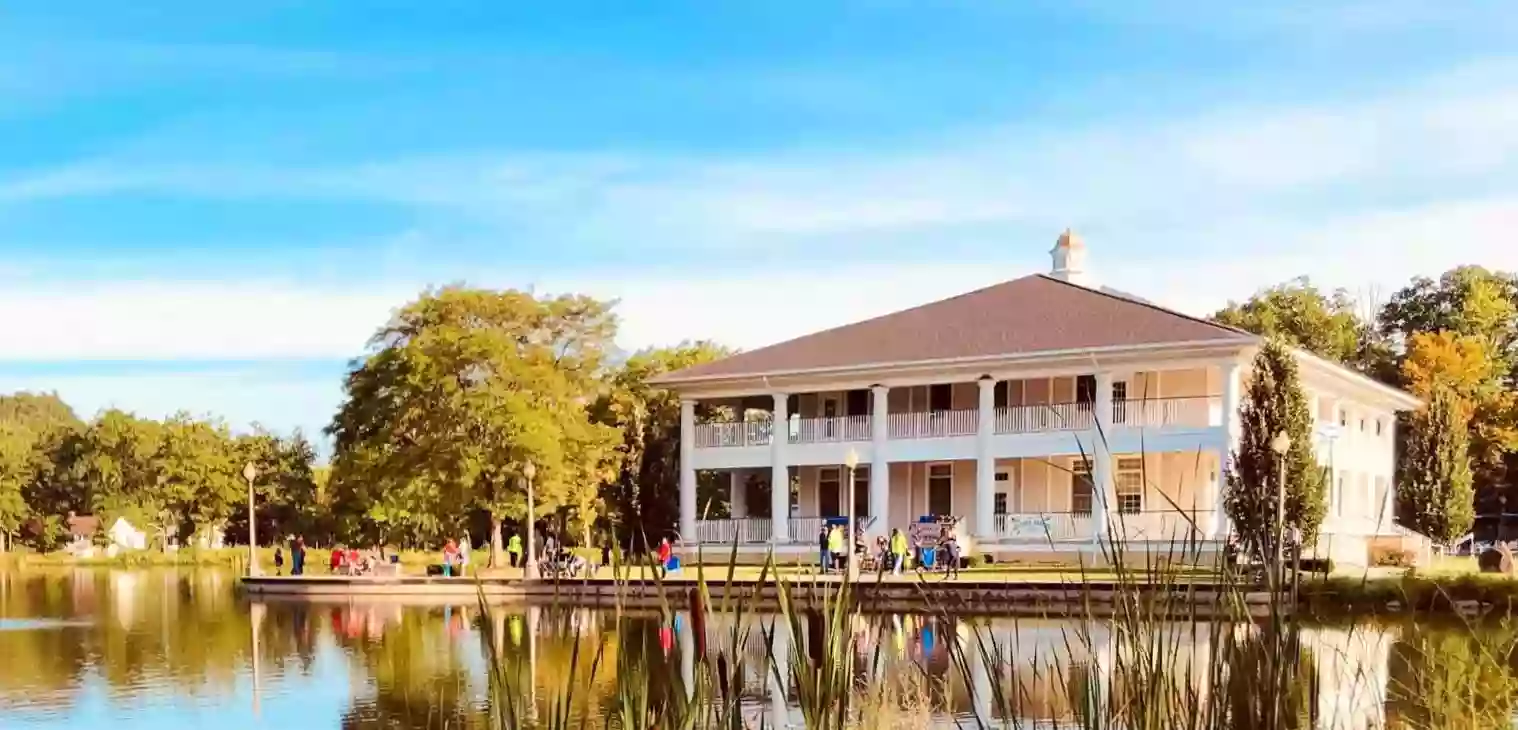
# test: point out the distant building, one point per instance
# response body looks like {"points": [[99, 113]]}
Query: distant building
{"points": [[121, 535]]}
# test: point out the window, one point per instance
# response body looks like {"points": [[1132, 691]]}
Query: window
{"points": [[1000, 506], [1000, 499], [1362, 425], [940, 397], [941, 489], [829, 502], [1378, 427], [999, 394], [1080, 487], [1343, 418], [1130, 486]]}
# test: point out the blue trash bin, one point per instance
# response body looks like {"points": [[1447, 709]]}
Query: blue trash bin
{"points": [[929, 557]]}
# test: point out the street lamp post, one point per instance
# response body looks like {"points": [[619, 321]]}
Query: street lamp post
{"points": [[1280, 445], [851, 460], [250, 472], [530, 568]]}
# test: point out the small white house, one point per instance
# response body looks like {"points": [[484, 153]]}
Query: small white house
{"points": [[121, 535]]}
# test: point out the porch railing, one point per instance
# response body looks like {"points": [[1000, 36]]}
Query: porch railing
{"points": [[1163, 525], [1045, 526], [743, 529], [733, 433], [932, 424], [1155, 526], [826, 430], [804, 529]]}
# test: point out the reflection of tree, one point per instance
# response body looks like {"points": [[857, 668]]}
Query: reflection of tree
{"points": [[419, 674], [1455, 677]]}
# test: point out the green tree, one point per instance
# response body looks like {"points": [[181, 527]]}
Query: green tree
{"points": [[645, 492], [16, 474], [1435, 494], [1469, 300], [463, 389], [196, 475], [287, 496], [1274, 404], [1299, 314]]}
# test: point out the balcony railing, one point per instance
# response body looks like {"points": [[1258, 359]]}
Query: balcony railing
{"points": [[1049, 417], [1053, 417], [934, 424], [1154, 412], [733, 433], [1163, 525], [827, 430]]}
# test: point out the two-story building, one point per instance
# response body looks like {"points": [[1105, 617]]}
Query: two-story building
{"points": [[1048, 413]]}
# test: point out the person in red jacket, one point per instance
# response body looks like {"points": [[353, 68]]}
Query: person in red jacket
{"points": [[665, 552]]}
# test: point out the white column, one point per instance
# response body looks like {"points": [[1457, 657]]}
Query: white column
{"points": [[780, 473], [687, 471], [737, 495], [1101, 457], [880, 467], [985, 462], [1227, 443]]}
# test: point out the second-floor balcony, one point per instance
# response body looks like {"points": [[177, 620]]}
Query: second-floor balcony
{"points": [[1195, 412]]}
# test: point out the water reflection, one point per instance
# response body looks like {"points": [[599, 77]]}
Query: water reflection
{"points": [[180, 648]]}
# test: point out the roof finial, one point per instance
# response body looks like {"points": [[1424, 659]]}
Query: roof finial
{"points": [[1069, 256]]}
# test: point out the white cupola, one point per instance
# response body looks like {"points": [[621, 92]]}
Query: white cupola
{"points": [[1069, 256]]}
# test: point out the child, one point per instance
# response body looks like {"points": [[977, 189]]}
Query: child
{"points": [[279, 561]]}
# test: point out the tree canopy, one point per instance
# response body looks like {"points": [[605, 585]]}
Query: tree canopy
{"points": [[464, 389]]}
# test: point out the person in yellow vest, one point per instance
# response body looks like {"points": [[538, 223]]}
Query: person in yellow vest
{"points": [[836, 545], [898, 551]]}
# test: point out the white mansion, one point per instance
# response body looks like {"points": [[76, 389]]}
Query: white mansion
{"points": [[1046, 412]]}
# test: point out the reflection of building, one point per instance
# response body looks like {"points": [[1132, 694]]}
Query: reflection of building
{"points": [[1048, 412], [1352, 666]]}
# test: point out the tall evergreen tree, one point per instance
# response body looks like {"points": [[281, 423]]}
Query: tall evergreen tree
{"points": [[1436, 489], [1274, 404]]}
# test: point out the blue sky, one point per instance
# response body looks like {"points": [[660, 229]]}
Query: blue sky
{"points": [[210, 206]]}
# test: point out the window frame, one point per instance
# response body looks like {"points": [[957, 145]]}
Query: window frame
{"points": [[1082, 486]]}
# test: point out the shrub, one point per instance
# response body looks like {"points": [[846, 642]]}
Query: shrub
{"points": [[1393, 558]]}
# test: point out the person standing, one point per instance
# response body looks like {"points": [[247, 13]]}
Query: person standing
{"points": [[836, 545], [298, 556], [464, 549], [450, 556], [951, 557], [514, 549], [898, 551], [279, 561], [824, 549], [605, 553], [665, 553]]}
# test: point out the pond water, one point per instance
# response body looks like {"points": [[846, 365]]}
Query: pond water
{"points": [[164, 649]]}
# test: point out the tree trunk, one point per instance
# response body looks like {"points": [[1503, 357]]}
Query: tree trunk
{"points": [[3, 537], [495, 541]]}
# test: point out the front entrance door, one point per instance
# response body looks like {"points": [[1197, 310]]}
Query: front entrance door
{"points": [[828, 493], [941, 489]]}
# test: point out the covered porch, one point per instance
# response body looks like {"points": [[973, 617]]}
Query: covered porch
{"points": [[1170, 497]]}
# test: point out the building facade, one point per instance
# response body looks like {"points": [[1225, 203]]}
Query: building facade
{"points": [[1046, 413]]}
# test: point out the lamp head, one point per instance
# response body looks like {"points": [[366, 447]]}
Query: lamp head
{"points": [[530, 471], [851, 459], [1280, 444], [249, 472]]}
